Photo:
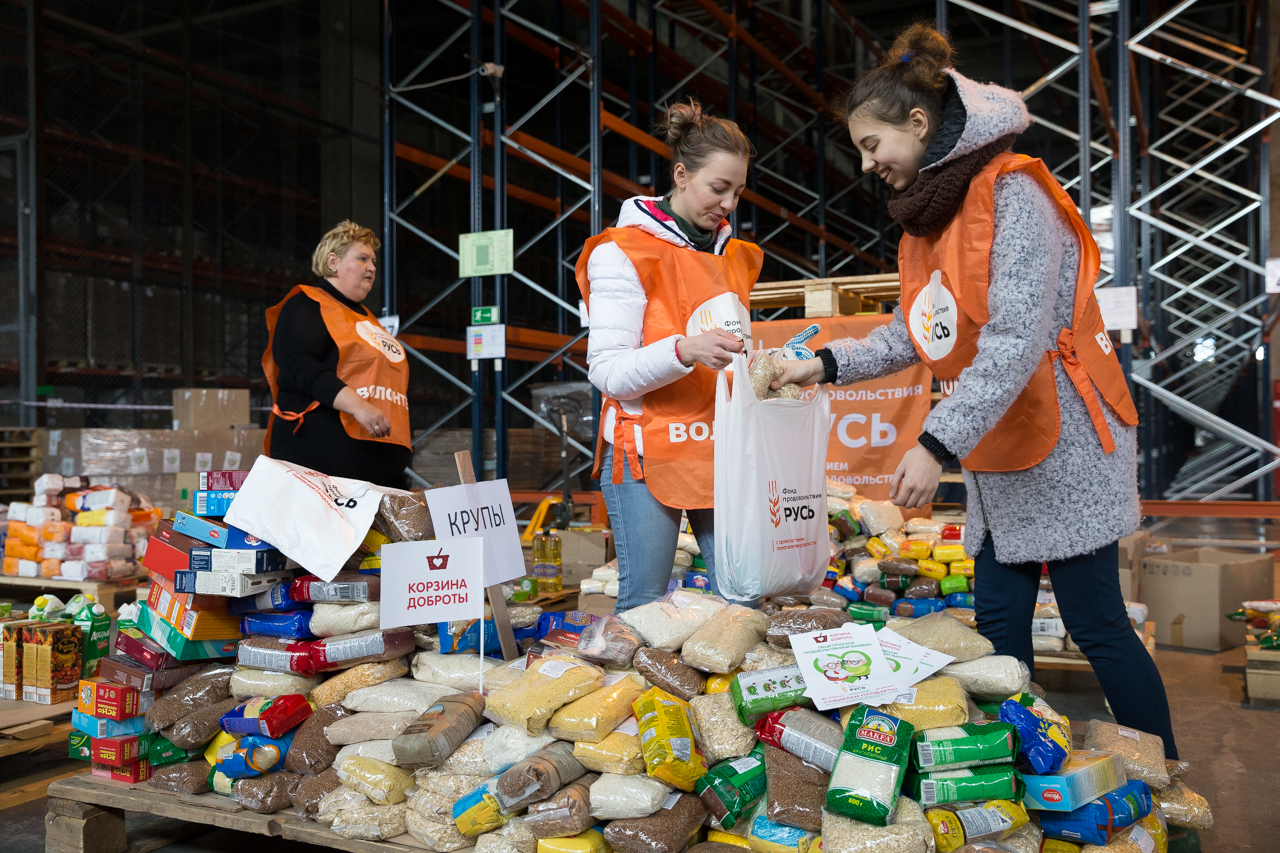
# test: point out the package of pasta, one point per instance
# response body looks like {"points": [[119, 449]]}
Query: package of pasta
{"points": [[731, 789], [271, 716], [1097, 820], [1043, 744], [797, 790], [619, 753], [965, 745], [377, 780], [567, 812], [806, 734], [788, 622], [609, 642], [479, 810], [668, 830], [538, 776], [346, 588], [989, 782], [669, 739], [760, 692], [348, 650], [870, 767], [548, 684], [595, 715], [432, 737], [954, 826]]}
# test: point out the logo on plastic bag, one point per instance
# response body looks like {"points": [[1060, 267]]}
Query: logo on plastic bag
{"points": [[775, 504]]}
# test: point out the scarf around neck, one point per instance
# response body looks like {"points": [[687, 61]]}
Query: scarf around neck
{"points": [[927, 206]]}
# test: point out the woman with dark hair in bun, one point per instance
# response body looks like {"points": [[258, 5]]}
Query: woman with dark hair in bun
{"points": [[998, 270], [667, 290]]}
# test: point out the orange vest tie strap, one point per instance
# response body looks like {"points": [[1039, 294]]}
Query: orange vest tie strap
{"points": [[293, 416], [1084, 385]]}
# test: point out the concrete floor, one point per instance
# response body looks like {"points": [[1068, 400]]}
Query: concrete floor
{"points": [[1234, 751]]}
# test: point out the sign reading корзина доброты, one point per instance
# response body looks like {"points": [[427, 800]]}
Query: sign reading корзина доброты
{"points": [[433, 581]]}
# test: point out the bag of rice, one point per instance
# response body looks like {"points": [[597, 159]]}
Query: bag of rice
{"points": [[461, 672], [938, 702], [877, 516], [567, 812], [336, 800], [990, 782], [512, 837], [378, 750], [1183, 807], [1143, 753], [595, 715], [626, 797], [669, 739], [538, 776], [468, 759], [666, 623], [548, 684], [783, 625], [368, 725], [765, 656], [664, 669], [723, 734], [439, 834], [336, 688], [347, 650], [942, 633], [991, 677], [370, 821], [721, 644], [398, 694], [619, 753], [869, 769], [808, 735], [377, 780], [509, 744], [903, 834], [666, 831], [966, 745], [247, 683]]}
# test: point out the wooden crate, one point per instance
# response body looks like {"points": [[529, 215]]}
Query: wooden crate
{"points": [[86, 815], [21, 452]]}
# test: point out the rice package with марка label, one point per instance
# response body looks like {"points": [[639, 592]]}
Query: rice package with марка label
{"points": [[968, 745], [669, 739], [869, 769]]}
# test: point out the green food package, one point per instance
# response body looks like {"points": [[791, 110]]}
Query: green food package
{"points": [[954, 583], [969, 745], [162, 751], [869, 769], [761, 691], [993, 782], [731, 789], [861, 611], [894, 581], [79, 745]]}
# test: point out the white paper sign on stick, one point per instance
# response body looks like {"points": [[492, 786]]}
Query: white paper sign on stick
{"points": [[481, 509], [843, 666], [433, 581]]}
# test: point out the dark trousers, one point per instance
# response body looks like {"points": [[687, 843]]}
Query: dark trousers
{"points": [[1087, 588]]}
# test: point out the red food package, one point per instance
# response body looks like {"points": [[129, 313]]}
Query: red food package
{"points": [[278, 655], [348, 650], [139, 771], [144, 650], [952, 533], [806, 734], [345, 588], [267, 715]]}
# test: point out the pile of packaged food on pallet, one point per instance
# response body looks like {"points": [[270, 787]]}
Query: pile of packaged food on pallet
{"points": [[687, 720], [73, 531], [1262, 621]]}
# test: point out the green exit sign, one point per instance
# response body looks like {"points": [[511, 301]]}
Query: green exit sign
{"points": [[485, 315]]}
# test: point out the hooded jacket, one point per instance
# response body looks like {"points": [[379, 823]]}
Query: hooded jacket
{"points": [[1078, 499]]}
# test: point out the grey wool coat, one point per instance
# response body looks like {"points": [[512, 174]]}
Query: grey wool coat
{"points": [[1078, 499]]}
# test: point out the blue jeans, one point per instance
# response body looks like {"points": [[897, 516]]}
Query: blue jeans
{"points": [[644, 535], [1087, 589]]}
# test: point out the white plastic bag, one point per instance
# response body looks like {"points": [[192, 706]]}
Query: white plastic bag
{"points": [[770, 481], [315, 520]]}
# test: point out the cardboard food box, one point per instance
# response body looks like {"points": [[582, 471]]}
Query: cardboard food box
{"points": [[1187, 593], [216, 532], [139, 771], [51, 662], [79, 745], [171, 639], [210, 408], [168, 551], [125, 670], [99, 697], [209, 623], [597, 605], [229, 584], [1083, 777], [101, 727], [1133, 549], [120, 751], [11, 651], [237, 560]]}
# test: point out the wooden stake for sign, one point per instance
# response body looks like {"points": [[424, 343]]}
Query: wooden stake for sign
{"points": [[497, 601]]}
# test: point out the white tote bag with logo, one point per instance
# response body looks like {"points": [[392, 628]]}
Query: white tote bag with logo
{"points": [[770, 490]]}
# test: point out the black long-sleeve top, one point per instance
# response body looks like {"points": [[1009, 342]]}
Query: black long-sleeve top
{"points": [[307, 357]]}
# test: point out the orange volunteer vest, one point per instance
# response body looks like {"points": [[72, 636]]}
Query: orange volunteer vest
{"points": [[688, 293], [370, 362], [944, 296]]}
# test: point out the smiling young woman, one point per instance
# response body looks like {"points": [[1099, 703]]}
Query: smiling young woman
{"points": [[666, 291], [997, 271]]}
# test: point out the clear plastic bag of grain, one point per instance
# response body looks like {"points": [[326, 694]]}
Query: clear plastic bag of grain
{"points": [[332, 620], [377, 780], [379, 750], [783, 625], [666, 623], [199, 727], [665, 670], [904, 834], [268, 793], [335, 689], [311, 752], [1143, 753], [248, 683], [627, 797], [366, 726], [1183, 807], [468, 759], [461, 672], [310, 790], [609, 642], [667, 830], [765, 656], [943, 633], [512, 837], [595, 715], [436, 833], [538, 776], [509, 744], [619, 753], [335, 801], [720, 645], [938, 702], [566, 812], [190, 777], [993, 677], [549, 684], [205, 688], [398, 694], [447, 786], [797, 790], [877, 516], [370, 821], [723, 734]]}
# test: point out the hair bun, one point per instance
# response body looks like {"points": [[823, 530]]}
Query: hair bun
{"points": [[924, 52], [682, 118]]}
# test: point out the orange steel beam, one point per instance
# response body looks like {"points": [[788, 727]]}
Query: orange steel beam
{"points": [[1212, 509], [638, 136], [730, 23]]}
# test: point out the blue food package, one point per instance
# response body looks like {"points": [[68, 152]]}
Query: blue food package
{"points": [[102, 727], [696, 579], [289, 625], [849, 588], [960, 599], [277, 599], [464, 636], [253, 755], [1094, 822], [573, 621], [1044, 746], [916, 607]]}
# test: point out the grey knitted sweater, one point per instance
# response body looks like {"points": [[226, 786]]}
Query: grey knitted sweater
{"points": [[1078, 499]]}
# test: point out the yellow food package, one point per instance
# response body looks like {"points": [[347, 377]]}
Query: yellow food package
{"points": [[720, 683], [962, 567], [92, 518], [211, 751], [373, 540], [669, 739], [955, 825], [931, 569], [383, 783], [949, 553], [1054, 845], [618, 753], [939, 702], [876, 548], [914, 550], [479, 812], [728, 838], [596, 715], [590, 841]]}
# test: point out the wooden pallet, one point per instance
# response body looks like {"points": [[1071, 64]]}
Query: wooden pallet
{"points": [[15, 712], [1078, 662], [28, 737], [86, 815], [110, 594]]}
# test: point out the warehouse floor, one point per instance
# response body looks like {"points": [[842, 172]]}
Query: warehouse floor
{"points": [[1233, 750]]}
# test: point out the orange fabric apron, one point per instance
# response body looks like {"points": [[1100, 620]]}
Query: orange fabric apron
{"points": [[370, 361], [688, 293], [944, 298]]}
